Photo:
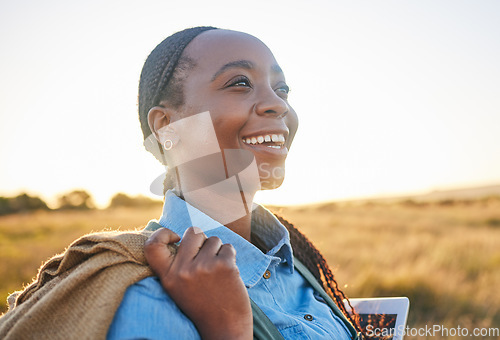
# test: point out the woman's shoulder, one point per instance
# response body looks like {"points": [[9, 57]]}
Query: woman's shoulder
{"points": [[149, 287], [147, 311]]}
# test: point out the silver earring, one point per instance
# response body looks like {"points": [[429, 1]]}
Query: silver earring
{"points": [[168, 144]]}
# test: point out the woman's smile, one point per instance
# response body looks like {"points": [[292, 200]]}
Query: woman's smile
{"points": [[271, 143]]}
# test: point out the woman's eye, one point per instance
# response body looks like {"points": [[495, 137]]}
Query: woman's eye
{"points": [[284, 89], [241, 82]]}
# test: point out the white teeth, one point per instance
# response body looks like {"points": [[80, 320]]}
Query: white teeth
{"points": [[266, 139]]}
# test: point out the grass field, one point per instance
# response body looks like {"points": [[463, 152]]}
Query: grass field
{"points": [[445, 256]]}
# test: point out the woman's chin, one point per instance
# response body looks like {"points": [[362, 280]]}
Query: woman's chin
{"points": [[270, 184]]}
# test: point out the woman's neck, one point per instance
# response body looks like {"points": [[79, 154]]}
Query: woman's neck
{"points": [[242, 226], [230, 208]]}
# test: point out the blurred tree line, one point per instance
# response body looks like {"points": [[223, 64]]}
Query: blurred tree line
{"points": [[123, 200], [21, 203], [74, 200]]}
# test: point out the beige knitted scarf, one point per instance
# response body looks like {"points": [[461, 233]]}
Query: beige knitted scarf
{"points": [[76, 294]]}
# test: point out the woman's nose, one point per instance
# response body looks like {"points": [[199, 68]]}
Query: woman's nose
{"points": [[270, 104]]}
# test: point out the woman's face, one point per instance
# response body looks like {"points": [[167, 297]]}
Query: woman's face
{"points": [[237, 80]]}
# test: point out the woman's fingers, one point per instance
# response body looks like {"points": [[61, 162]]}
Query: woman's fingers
{"points": [[196, 254], [227, 251], [157, 252], [163, 235], [192, 241], [227, 255], [210, 247]]}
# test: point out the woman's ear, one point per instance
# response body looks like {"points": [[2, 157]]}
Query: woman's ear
{"points": [[159, 117]]}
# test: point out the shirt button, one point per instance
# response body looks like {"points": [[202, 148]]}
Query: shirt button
{"points": [[308, 317], [267, 274]]}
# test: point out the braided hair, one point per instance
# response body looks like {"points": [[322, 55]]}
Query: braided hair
{"points": [[162, 79], [163, 72]]}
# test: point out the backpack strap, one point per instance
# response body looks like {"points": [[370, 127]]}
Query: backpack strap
{"points": [[318, 288], [263, 328]]}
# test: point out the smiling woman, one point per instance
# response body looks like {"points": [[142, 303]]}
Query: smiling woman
{"points": [[213, 107], [228, 139]]}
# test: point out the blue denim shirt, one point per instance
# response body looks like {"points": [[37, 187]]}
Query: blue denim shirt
{"points": [[148, 312]]}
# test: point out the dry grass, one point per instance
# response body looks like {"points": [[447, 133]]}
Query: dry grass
{"points": [[28, 240], [444, 256]]}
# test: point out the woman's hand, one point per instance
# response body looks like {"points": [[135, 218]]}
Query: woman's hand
{"points": [[204, 281]]}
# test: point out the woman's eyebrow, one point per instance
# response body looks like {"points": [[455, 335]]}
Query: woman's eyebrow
{"points": [[246, 64]]}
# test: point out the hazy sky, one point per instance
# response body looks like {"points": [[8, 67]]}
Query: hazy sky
{"points": [[393, 96]]}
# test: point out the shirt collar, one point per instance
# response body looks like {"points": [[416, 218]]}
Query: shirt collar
{"points": [[178, 215]]}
